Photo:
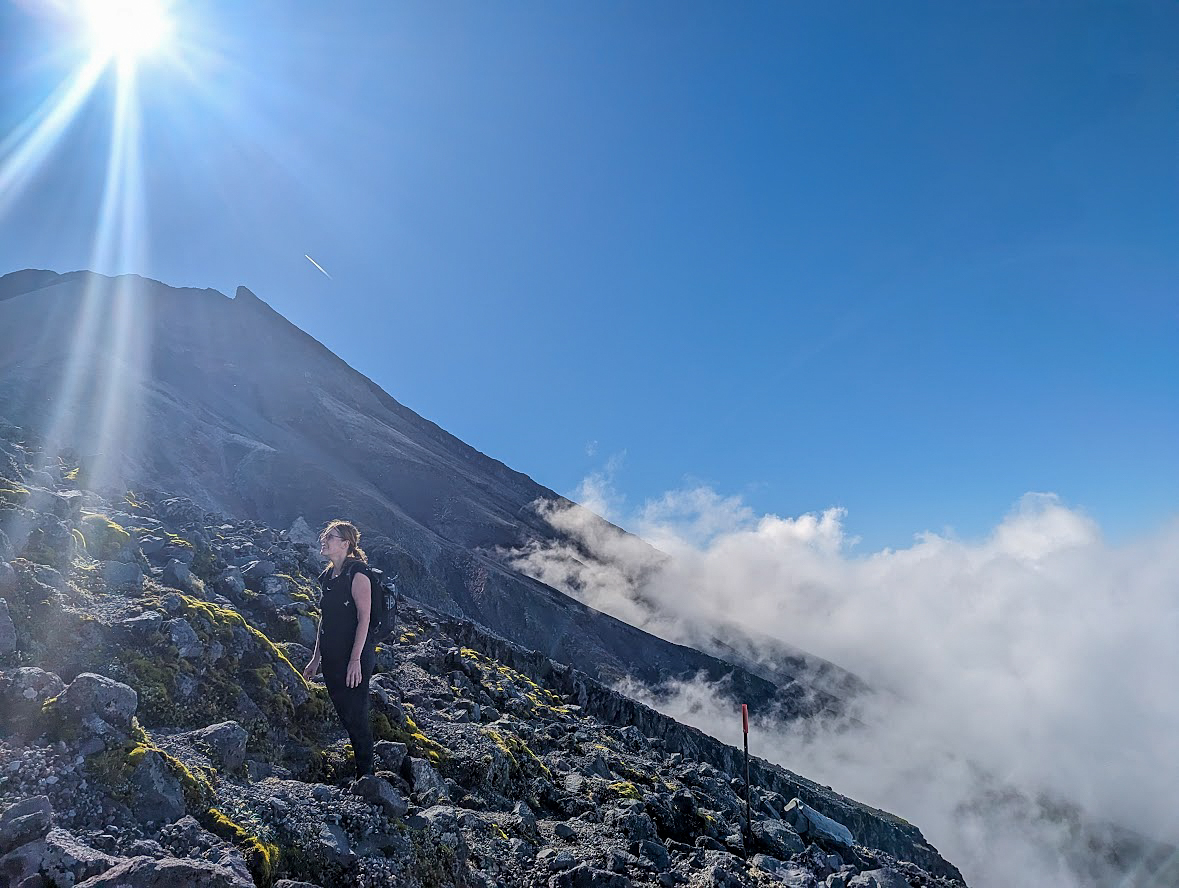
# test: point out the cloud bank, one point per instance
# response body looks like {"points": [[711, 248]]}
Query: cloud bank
{"points": [[1039, 658]]}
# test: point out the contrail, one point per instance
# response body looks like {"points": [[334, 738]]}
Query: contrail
{"points": [[317, 265]]}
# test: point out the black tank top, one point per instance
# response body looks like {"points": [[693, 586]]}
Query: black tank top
{"points": [[337, 629]]}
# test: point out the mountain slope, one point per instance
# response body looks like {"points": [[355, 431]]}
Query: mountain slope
{"points": [[225, 402], [155, 730]]}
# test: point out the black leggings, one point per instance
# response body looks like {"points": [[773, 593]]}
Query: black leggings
{"points": [[352, 704]]}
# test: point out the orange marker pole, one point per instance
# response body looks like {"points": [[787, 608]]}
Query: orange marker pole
{"points": [[745, 733]]}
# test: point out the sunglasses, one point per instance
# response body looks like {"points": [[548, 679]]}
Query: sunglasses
{"points": [[333, 536]]}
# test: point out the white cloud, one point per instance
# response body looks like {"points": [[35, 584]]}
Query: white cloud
{"points": [[1039, 656], [597, 492]]}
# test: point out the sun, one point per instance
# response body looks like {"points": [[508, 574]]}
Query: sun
{"points": [[126, 31]]}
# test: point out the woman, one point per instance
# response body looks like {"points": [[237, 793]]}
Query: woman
{"points": [[342, 643]]}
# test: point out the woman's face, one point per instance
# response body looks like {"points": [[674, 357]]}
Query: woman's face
{"points": [[333, 546]]}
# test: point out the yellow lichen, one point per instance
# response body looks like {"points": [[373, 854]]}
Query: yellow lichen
{"points": [[518, 753], [114, 768], [504, 680], [261, 857], [625, 789], [101, 536], [413, 737], [195, 785], [12, 493], [217, 615]]}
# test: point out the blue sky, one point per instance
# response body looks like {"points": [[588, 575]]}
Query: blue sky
{"points": [[911, 259]]}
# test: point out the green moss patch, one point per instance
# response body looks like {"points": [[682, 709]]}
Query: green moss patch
{"points": [[250, 681], [114, 768]]}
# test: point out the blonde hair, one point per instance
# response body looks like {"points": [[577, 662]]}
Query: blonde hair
{"points": [[348, 532]]}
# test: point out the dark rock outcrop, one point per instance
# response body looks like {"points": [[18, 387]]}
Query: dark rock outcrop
{"points": [[24, 822]]}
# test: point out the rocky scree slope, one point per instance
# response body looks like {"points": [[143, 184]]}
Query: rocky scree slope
{"points": [[225, 402], [155, 731]]}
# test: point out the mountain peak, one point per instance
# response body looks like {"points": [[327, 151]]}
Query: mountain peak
{"points": [[246, 296]]}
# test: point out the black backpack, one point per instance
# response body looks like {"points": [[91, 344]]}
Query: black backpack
{"points": [[383, 615]]}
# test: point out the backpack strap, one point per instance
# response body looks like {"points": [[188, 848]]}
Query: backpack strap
{"points": [[357, 566]]}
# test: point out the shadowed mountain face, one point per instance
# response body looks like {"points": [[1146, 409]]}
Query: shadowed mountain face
{"points": [[225, 402]]}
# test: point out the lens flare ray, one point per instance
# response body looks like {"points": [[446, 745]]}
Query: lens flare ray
{"points": [[31, 144], [98, 393]]}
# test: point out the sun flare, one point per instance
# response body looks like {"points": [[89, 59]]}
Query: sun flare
{"points": [[126, 30]]}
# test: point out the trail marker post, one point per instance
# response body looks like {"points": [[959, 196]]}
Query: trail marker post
{"points": [[745, 733]]}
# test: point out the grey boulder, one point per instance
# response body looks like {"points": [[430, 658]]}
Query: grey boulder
{"points": [[102, 706], [145, 624], [428, 785], [230, 583], [122, 574], [586, 876], [390, 755], [177, 575], [59, 857], [379, 793], [256, 571], [23, 690], [225, 743], [333, 845], [167, 872], [184, 637], [444, 823], [787, 874], [7, 576], [777, 838], [24, 822], [159, 797], [809, 822], [879, 878]]}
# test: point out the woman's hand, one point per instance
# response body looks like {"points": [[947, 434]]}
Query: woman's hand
{"points": [[311, 668], [353, 677]]}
